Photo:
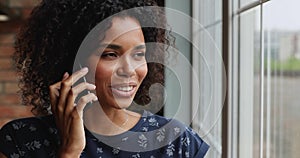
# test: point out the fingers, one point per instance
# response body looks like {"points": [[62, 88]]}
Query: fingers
{"points": [[83, 101], [62, 95], [54, 92], [66, 86], [74, 93]]}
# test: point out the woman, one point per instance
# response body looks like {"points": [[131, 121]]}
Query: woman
{"points": [[116, 71]]}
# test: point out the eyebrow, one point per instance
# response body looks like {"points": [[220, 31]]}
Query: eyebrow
{"points": [[118, 47], [142, 46]]}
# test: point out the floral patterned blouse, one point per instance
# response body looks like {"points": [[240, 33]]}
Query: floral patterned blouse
{"points": [[152, 137]]}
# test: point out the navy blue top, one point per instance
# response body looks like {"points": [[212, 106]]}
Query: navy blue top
{"points": [[152, 137]]}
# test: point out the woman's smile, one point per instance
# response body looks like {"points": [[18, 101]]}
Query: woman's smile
{"points": [[123, 90]]}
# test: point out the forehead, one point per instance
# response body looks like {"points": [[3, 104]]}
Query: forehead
{"points": [[123, 26]]}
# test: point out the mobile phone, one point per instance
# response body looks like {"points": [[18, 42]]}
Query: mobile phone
{"points": [[85, 92]]}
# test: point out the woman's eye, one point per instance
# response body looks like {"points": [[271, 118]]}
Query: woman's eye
{"points": [[139, 54], [110, 55]]}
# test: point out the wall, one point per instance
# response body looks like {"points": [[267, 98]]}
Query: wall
{"points": [[10, 104]]}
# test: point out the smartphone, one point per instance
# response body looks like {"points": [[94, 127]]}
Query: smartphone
{"points": [[85, 92]]}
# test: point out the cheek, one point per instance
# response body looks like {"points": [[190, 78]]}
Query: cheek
{"points": [[92, 64], [103, 72], [142, 72]]}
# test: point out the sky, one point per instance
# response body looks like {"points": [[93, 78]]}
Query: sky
{"points": [[282, 15]]}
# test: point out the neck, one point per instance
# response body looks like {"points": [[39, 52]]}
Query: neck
{"points": [[109, 121]]}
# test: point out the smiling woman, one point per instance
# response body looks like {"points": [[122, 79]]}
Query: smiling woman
{"points": [[118, 69], [122, 66]]}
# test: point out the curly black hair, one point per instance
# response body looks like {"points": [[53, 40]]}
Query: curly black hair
{"points": [[47, 44]]}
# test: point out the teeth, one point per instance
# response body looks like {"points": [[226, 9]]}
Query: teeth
{"points": [[126, 89]]}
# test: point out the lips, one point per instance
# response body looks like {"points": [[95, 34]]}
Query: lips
{"points": [[124, 90]]}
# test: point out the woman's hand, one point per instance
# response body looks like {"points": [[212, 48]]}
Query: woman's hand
{"points": [[68, 115]]}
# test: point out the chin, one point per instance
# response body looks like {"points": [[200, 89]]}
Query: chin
{"points": [[123, 103]]}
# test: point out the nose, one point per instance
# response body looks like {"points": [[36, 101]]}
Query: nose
{"points": [[125, 67]]}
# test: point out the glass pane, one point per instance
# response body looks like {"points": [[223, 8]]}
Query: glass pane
{"points": [[207, 63], [210, 82], [282, 78], [249, 75], [235, 4], [244, 3], [210, 12]]}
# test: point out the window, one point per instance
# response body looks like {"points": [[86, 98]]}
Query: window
{"points": [[265, 78]]}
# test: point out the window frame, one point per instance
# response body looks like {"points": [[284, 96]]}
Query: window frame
{"points": [[231, 46]]}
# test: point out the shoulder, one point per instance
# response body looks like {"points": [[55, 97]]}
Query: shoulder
{"points": [[192, 143], [27, 134], [178, 136], [160, 122], [152, 122], [28, 124]]}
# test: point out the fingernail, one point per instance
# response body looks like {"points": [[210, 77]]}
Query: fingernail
{"points": [[66, 74], [95, 99], [84, 69]]}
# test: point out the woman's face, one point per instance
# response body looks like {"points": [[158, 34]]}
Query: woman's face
{"points": [[120, 63]]}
